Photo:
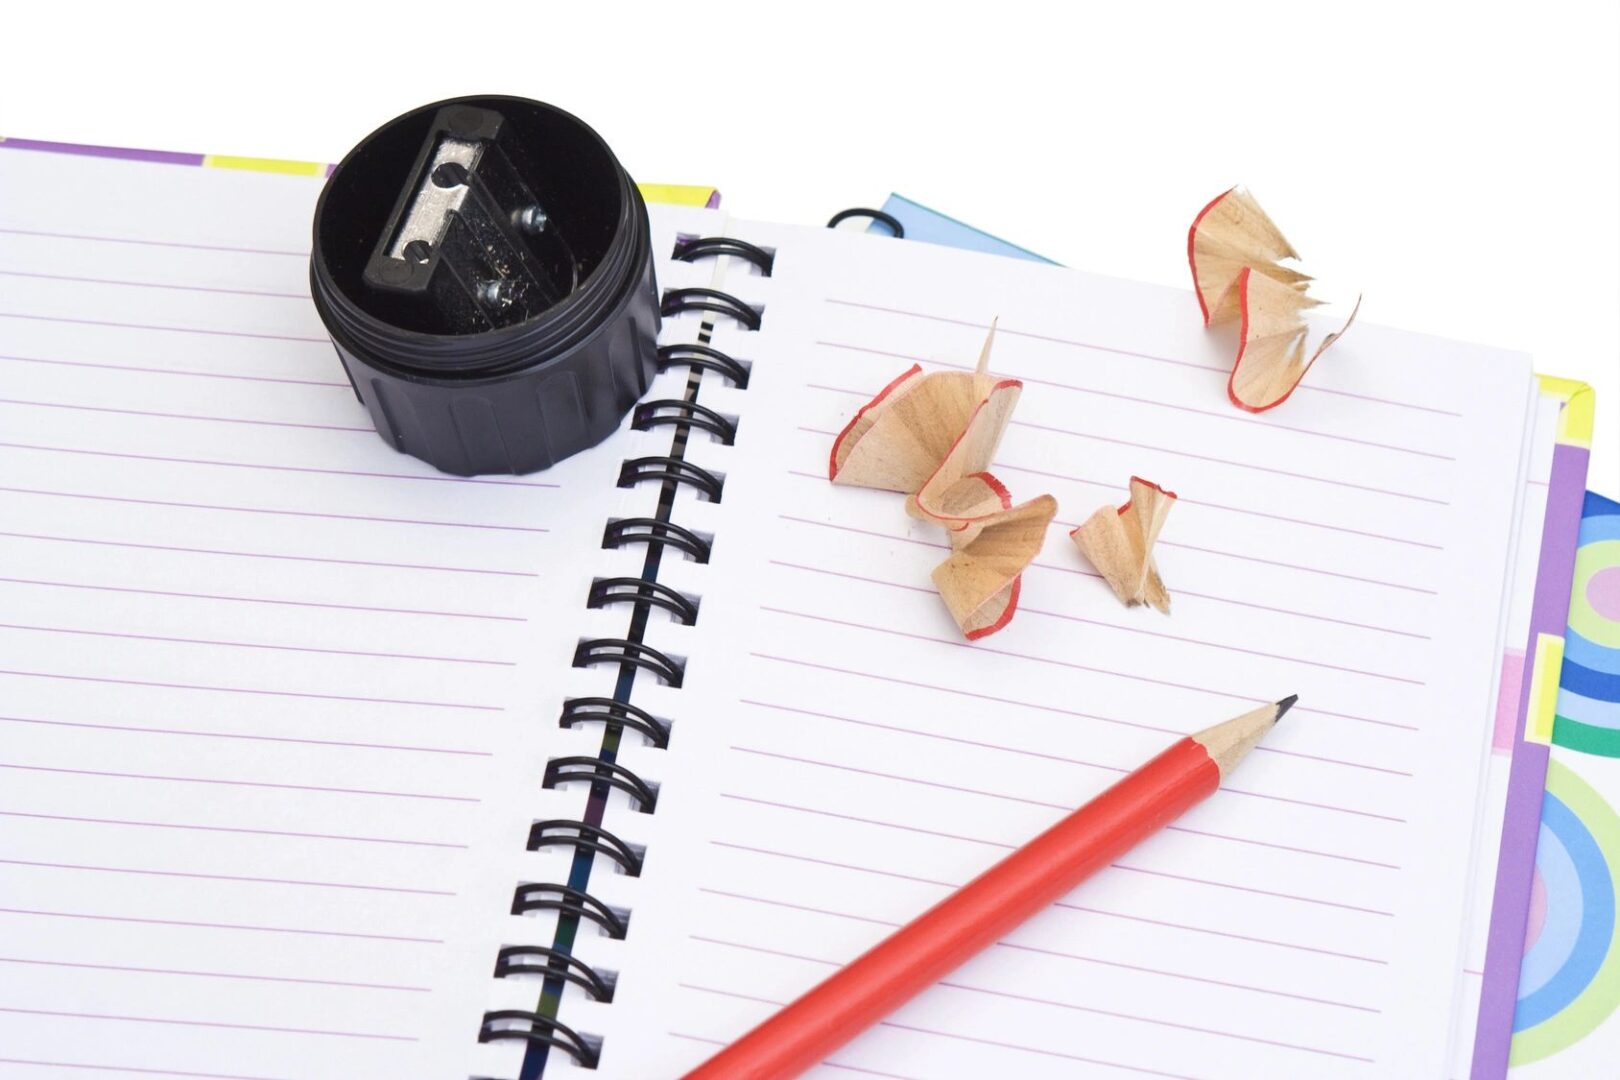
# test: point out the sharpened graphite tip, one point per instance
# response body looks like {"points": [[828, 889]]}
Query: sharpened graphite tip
{"points": [[1284, 705]]}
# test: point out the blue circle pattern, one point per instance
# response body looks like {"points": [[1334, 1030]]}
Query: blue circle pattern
{"points": [[1587, 901], [1589, 684]]}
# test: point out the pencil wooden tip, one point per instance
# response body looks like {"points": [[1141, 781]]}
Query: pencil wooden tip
{"points": [[1230, 743]]}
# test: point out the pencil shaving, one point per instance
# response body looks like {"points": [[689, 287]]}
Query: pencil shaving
{"points": [[897, 440], [933, 436], [1119, 542], [1236, 253]]}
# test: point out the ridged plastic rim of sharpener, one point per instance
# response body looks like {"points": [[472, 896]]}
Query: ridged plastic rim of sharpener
{"points": [[501, 352]]}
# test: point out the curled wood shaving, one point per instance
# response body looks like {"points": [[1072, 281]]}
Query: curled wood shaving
{"points": [[1236, 252], [1119, 543], [933, 436]]}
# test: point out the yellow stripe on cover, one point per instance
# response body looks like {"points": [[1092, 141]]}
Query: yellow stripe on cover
{"points": [[677, 194], [1543, 705], [1575, 419], [260, 164]]}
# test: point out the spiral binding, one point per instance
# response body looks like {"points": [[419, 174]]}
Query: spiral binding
{"points": [[679, 300], [634, 590], [653, 532], [555, 963], [896, 230], [698, 247], [511, 961], [666, 467], [549, 896], [650, 414], [615, 715], [541, 1029], [705, 357]]}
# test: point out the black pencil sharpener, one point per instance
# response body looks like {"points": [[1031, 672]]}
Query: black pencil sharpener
{"points": [[484, 268]]}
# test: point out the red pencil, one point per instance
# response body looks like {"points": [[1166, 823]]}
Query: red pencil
{"points": [[986, 908]]}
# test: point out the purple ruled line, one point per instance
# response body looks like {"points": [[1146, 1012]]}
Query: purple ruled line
{"points": [[822, 1065], [280, 603], [1058, 954], [133, 1068], [1229, 934], [184, 416], [1161, 543], [979, 646], [1224, 789], [227, 877], [232, 829], [1137, 355], [999, 700], [269, 555], [253, 738], [1157, 1022], [1120, 627], [969, 1038], [1230, 415], [267, 510], [208, 1024], [125, 455], [1259, 892], [242, 783], [974, 790], [1082, 572], [249, 690], [1308, 569], [1083, 1008], [1272, 470], [1008, 847], [1001, 465], [153, 243], [798, 907], [1228, 648], [154, 285], [1060, 904], [222, 926], [125, 635], [1037, 754], [75, 321], [176, 371], [969, 839], [216, 975]]}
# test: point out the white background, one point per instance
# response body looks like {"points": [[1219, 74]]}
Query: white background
{"points": [[1459, 163]]}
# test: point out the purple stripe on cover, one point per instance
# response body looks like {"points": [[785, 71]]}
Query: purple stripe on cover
{"points": [[1527, 777], [166, 157]]}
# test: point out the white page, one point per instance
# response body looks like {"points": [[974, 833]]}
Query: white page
{"points": [[847, 759], [276, 698]]}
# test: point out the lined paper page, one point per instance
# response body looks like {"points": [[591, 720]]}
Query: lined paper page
{"points": [[848, 759], [276, 699]]}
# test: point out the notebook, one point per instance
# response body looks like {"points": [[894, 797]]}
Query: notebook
{"points": [[1504, 893], [281, 702]]}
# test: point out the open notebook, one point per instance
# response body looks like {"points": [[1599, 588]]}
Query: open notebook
{"points": [[279, 702]]}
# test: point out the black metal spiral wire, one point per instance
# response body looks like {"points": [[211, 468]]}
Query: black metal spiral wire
{"points": [[643, 594]]}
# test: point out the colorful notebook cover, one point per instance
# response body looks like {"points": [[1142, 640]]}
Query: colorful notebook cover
{"points": [[1565, 1022]]}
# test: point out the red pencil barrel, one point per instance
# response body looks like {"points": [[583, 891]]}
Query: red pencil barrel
{"points": [[969, 920]]}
